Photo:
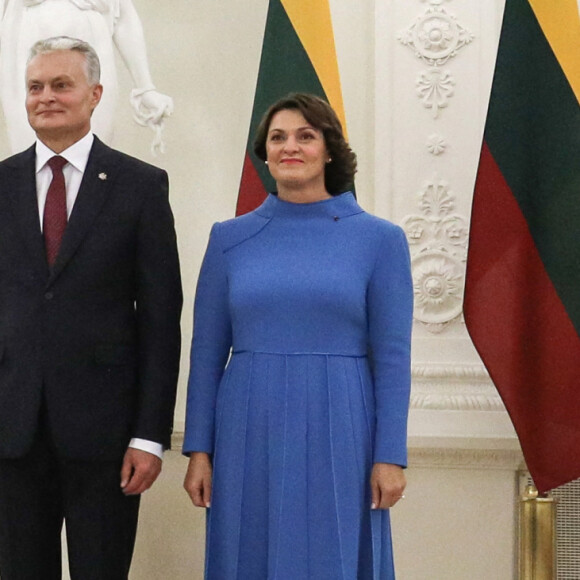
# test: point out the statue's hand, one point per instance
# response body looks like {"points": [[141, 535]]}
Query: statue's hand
{"points": [[154, 106], [150, 107]]}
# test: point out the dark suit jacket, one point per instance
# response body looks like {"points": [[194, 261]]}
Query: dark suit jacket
{"points": [[98, 336]]}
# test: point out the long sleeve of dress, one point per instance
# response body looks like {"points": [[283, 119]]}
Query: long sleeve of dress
{"points": [[212, 338], [390, 314]]}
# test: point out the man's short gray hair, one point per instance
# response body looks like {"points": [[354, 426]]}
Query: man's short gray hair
{"points": [[68, 43]]}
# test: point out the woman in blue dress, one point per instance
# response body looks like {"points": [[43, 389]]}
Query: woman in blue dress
{"points": [[300, 369]]}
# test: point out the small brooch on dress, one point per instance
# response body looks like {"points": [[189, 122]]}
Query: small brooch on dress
{"points": [[103, 176]]}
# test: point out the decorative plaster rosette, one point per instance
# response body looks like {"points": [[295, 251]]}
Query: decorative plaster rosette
{"points": [[438, 241], [436, 144], [436, 36], [438, 281]]}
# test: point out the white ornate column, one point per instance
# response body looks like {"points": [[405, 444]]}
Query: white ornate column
{"points": [[434, 63], [433, 69]]}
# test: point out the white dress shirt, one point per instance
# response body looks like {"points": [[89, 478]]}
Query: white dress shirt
{"points": [[77, 156]]}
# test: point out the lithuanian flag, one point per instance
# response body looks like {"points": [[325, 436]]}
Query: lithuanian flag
{"points": [[298, 55], [522, 300]]}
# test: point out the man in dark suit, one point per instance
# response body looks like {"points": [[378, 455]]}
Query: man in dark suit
{"points": [[90, 302]]}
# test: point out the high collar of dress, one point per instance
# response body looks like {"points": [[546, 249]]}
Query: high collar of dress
{"points": [[338, 206]]}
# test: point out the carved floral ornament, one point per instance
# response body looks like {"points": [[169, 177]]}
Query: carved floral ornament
{"points": [[438, 241], [434, 88], [438, 283], [436, 144], [436, 36]]}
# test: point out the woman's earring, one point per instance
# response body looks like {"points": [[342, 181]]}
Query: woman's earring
{"points": [[266, 162], [329, 160]]}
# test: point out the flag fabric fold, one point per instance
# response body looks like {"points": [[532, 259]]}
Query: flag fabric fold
{"points": [[298, 55], [522, 295]]}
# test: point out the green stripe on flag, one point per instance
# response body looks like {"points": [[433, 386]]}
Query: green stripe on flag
{"points": [[284, 68]]}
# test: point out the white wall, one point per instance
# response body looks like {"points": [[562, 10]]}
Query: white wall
{"points": [[457, 521]]}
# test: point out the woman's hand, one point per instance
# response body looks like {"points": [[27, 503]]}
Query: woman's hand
{"points": [[198, 479], [387, 485]]}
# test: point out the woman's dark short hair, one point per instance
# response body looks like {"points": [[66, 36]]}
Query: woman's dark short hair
{"points": [[339, 173]]}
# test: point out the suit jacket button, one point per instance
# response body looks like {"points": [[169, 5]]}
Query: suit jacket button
{"points": [[49, 295]]}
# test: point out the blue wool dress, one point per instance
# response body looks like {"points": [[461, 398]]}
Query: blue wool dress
{"points": [[314, 302]]}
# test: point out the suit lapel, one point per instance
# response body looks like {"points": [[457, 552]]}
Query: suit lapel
{"points": [[95, 187], [21, 186]]}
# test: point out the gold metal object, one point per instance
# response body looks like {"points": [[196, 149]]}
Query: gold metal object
{"points": [[537, 527]]}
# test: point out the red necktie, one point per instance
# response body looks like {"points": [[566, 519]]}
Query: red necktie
{"points": [[54, 221]]}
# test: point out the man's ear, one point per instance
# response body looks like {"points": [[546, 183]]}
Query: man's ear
{"points": [[97, 93]]}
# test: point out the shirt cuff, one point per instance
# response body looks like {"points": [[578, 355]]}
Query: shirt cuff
{"points": [[146, 445]]}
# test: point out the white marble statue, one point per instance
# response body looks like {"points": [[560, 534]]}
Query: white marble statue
{"points": [[102, 23]]}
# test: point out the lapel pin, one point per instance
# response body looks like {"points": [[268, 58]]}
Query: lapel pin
{"points": [[103, 176]]}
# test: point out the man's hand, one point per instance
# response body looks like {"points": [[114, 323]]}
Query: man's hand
{"points": [[139, 471], [198, 479]]}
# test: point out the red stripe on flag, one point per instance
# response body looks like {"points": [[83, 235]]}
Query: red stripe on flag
{"points": [[522, 331], [252, 192]]}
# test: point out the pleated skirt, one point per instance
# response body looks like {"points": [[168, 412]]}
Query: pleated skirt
{"points": [[293, 455]]}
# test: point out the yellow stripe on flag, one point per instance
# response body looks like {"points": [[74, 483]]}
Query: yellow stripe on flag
{"points": [[560, 23], [312, 23]]}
